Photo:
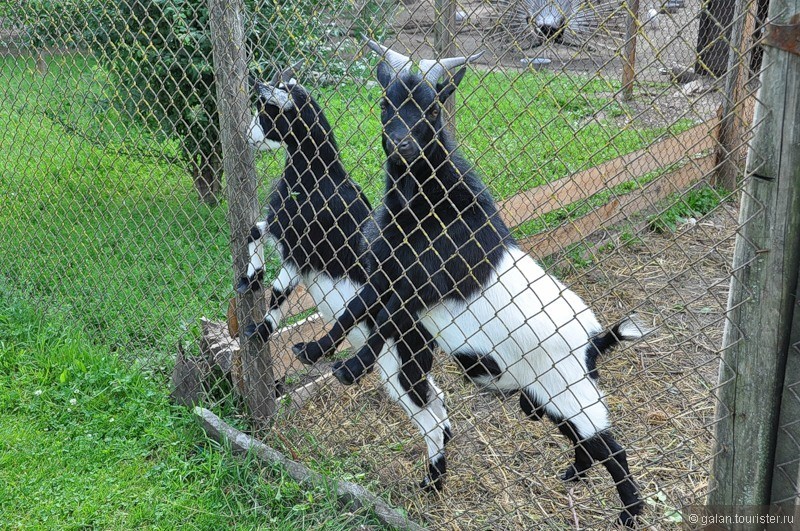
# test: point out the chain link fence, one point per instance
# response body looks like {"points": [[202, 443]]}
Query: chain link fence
{"points": [[612, 135]]}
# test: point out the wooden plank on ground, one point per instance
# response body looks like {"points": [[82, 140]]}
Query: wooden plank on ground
{"points": [[618, 209], [548, 197], [350, 496]]}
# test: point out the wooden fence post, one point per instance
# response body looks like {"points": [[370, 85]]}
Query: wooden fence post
{"points": [[629, 56], [233, 91], [786, 476], [761, 303], [444, 44], [732, 126]]}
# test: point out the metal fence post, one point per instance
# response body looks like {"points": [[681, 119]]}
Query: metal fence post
{"points": [[761, 303], [230, 65]]}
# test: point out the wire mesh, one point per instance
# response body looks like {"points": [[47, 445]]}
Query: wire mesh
{"points": [[114, 210]]}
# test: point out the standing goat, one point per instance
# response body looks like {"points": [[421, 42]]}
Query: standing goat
{"points": [[320, 222], [448, 260]]}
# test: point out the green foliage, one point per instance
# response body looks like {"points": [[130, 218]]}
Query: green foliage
{"points": [[59, 23], [159, 53], [694, 204]]}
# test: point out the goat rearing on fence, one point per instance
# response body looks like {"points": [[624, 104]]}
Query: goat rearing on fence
{"points": [[447, 259], [320, 222]]}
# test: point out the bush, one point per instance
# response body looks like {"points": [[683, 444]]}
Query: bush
{"points": [[160, 52]]}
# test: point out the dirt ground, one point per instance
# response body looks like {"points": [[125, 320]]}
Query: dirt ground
{"points": [[503, 470]]}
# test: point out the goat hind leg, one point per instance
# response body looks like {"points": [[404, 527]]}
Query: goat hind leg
{"points": [[602, 447], [423, 413]]}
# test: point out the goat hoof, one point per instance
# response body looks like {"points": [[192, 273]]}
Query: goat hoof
{"points": [[448, 434], [260, 331], [627, 518], [307, 353], [343, 374], [432, 485], [434, 480], [243, 285], [250, 283], [572, 474]]}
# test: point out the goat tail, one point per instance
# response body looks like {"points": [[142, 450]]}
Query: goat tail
{"points": [[627, 329]]}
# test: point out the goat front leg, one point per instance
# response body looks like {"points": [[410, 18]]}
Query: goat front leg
{"points": [[356, 310], [283, 286], [255, 269], [392, 322]]}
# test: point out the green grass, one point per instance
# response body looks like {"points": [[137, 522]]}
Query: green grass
{"points": [[89, 441], [695, 203], [520, 130], [120, 240]]}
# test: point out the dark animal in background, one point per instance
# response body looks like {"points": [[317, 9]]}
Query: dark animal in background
{"points": [[579, 23], [449, 262], [320, 222]]}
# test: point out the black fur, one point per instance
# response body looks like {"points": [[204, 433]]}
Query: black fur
{"points": [[316, 211], [478, 365], [598, 345], [428, 189], [602, 448], [532, 407], [322, 222]]}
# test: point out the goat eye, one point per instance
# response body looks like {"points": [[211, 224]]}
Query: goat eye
{"points": [[383, 105]]}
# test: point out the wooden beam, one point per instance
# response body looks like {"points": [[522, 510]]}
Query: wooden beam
{"points": [[557, 194], [786, 477], [629, 54], [226, 20], [444, 43], [761, 302], [618, 209]]}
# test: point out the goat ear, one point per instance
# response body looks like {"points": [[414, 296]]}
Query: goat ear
{"points": [[446, 88], [385, 74]]}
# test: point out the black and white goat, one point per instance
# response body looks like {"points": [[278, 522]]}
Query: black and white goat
{"points": [[448, 260], [319, 221]]}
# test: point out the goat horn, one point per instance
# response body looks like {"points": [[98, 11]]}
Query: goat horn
{"points": [[290, 73], [433, 69], [396, 60]]}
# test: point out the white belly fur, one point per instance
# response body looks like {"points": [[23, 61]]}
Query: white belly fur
{"points": [[536, 330]]}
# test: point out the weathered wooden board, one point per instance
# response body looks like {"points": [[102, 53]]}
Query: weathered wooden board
{"points": [[618, 209], [226, 22], [551, 196], [757, 339]]}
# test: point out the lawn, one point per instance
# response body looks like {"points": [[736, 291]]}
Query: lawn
{"points": [[98, 218], [87, 441]]}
